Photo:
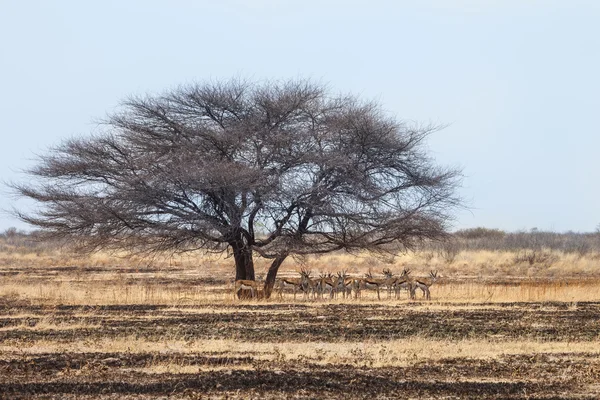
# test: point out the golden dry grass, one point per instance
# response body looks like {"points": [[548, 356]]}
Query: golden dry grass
{"points": [[480, 263], [389, 353], [183, 312], [114, 292], [474, 263], [64, 278]]}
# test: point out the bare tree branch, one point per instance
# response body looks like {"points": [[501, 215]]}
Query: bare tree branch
{"points": [[280, 168]]}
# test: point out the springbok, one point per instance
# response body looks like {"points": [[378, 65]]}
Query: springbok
{"points": [[294, 283], [368, 282], [348, 284], [424, 284], [390, 281], [325, 283], [344, 284], [404, 281], [309, 285], [243, 284]]}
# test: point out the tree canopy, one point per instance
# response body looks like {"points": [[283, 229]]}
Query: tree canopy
{"points": [[275, 168]]}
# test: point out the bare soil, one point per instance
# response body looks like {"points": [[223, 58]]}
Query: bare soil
{"points": [[306, 322], [124, 375]]}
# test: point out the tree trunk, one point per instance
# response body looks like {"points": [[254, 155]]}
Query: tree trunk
{"points": [[244, 265], [272, 274]]}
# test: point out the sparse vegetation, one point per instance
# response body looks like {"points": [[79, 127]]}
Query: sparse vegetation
{"points": [[118, 326]]}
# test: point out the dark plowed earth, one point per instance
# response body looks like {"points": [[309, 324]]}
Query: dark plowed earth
{"points": [[39, 374], [459, 378], [52, 362], [275, 323]]}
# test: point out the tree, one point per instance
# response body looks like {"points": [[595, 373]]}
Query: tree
{"points": [[275, 169]]}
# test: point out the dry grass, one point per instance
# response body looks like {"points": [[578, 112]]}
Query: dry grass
{"points": [[468, 323], [476, 263], [389, 353], [63, 278], [112, 293], [465, 338]]}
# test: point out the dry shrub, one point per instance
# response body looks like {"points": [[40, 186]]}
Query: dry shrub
{"points": [[532, 257]]}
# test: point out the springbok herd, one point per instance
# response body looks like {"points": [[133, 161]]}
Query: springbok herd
{"points": [[343, 284]]}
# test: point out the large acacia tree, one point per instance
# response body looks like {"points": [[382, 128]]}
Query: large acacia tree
{"points": [[275, 169]]}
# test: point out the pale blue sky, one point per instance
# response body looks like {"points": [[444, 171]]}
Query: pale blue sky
{"points": [[518, 81]]}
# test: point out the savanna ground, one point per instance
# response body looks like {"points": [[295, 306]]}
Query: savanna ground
{"points": [[501, 324]]}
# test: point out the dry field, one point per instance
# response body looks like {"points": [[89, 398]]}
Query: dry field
{"points": [[126, 328]]}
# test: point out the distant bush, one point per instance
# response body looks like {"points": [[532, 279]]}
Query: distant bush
{"points": [[531, 245], [498, 240], [13, 240], [535, 257], [480, 233]]}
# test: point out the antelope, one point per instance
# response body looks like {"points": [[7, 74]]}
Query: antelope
{"points": [[368, 282], [325, 283], [344, 284], [348, 283], [356, 284], [243, 284], [309, 285], [424, 284], [403, 282], [390, 281], [294, 283]]}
